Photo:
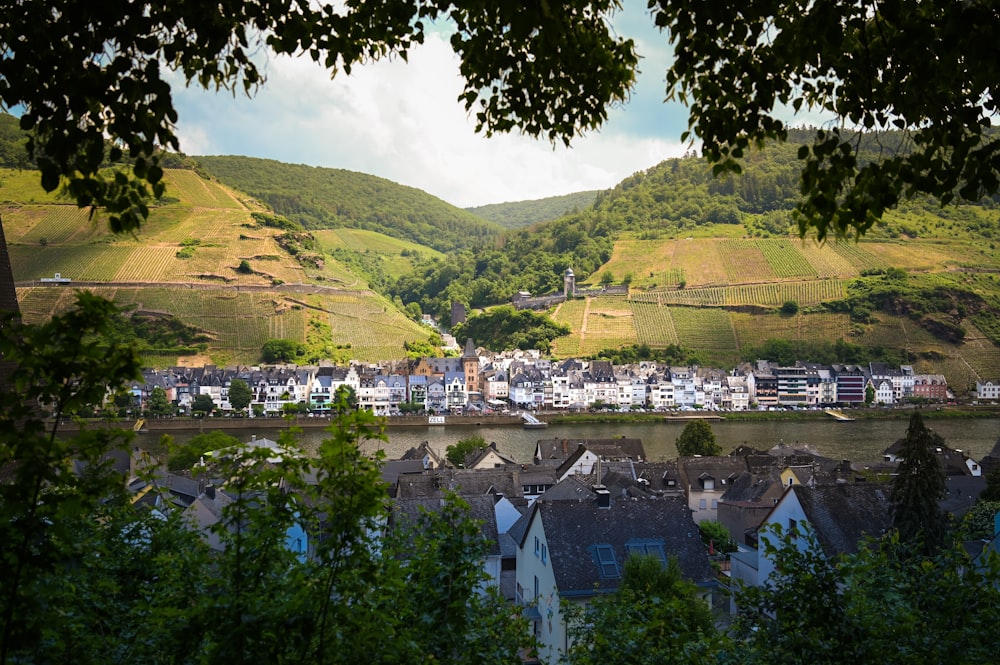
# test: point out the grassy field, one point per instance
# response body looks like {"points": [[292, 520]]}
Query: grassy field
{"points": [[395, 254], [197, 239]]}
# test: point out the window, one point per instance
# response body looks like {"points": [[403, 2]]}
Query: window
{"points": [[793, 528], [715, 504], [702, 504], [536, 587], [606, 562], [536, 545], [652, 548], [545, 554]]}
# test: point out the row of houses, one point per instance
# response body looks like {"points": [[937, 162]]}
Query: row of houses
{"points": [[481, 381]]}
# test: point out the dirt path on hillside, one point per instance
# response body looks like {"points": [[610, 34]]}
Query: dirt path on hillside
{"points": [[583, 326]]}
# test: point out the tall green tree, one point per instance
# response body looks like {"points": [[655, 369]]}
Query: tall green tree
{"points": [[876, 605], [159, 405], [281, 351], [918, 487], [67, 365], [457, 452], [104, 94], [239, 395], [697, 438], [202, 403], [654, 616], [826, 57]]}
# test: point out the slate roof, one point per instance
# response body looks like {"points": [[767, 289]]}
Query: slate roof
{"points": [[842, 514], [479, 454], [573, 529], [953, 462], [607, 449], [464, 482], [992, 460], [747, 488], [692, 468], [409, 511], [963, 491], [393, 469]]}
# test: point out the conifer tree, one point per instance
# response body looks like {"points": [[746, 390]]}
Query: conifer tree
{"points": [[918, 487]]}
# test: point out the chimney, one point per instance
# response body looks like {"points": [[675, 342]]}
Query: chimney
{"points": [[603, 496], [210, 492]]}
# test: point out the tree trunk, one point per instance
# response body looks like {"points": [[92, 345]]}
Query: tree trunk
{"points": [[8, 302]]}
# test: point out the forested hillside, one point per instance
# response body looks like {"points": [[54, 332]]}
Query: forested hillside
{"points": [[323, 198], [518, 214]]}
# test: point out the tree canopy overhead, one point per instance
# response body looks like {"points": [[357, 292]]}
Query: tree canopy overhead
{"points": [[928, 68], [84, 73], [94, 82]]}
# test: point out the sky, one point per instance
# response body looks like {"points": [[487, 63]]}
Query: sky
{"points": [[402, 121]]}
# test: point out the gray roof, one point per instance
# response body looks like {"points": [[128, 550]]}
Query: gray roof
{"points": [[842, 514], [747, 487], [393, 469], [573, 529], [464, 482], [409, 511], [693, 468], [962, 493], [620, 448]]}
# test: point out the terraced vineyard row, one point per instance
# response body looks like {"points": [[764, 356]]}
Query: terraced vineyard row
{"points": [[654, 325], [708, 331], [77, 262], [62, 223], [860, 258], [610, 324], [745, 262], [752, 331], [38, 304], [785, 259], [148, 264], [700, 260], [825, 260], [194, 190], [372, 330], [772, 294]]}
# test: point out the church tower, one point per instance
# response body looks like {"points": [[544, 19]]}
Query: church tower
{"points": [[470, 365]]}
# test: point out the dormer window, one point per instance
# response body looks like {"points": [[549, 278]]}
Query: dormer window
{"points": [[604, 557], [653, 548]]}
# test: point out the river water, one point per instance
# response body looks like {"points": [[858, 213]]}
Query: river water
{"points": [[858, 441]]}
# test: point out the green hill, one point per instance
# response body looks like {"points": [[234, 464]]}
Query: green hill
{"points": [[519, 214], [715, 271], [323, 198], [184, 269], [710, 264]]}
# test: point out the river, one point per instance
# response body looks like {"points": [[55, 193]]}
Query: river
{"points": [[859, 441]]}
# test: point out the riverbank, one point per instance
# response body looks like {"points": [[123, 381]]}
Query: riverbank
{"points": [[949, 412]]}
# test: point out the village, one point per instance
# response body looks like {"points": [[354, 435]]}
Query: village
{"points": [[481, 382]]}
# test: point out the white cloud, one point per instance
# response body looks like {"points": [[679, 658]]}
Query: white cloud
{"points": [[402, 121]]}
